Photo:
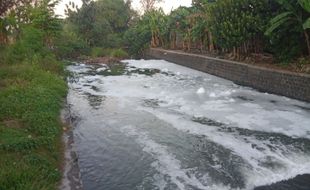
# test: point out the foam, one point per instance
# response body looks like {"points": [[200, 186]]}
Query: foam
{"points": [[201, 91], [294, 163], [166, 163], [220, 101]]}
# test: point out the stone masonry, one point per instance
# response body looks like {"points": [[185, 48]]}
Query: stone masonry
{"points": [[285, 83]]}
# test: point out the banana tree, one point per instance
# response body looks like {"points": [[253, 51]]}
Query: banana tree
{"points": [[237, 26], [178, 25], [157, 22], [201, 29], [295, 15]]}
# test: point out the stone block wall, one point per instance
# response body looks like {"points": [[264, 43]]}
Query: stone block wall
{"points": [[293, 85]]}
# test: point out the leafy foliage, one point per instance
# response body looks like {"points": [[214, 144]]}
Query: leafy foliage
{"points": [[240, 28], [294, 17], [148, 5], [119, 53], [102, 23], [138, 36], [239, 24]]}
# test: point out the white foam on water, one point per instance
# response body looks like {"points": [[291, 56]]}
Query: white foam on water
{"points": [[221, 103], [166, 163], [291, 163], [212, 95], [201, 90], [101, 69]]}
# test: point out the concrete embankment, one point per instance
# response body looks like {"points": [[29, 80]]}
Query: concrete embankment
{"points": [[285, 83]]}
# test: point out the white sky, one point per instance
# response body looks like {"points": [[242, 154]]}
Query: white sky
{"points": [[167, 5]]}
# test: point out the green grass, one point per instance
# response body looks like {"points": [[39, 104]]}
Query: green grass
{"points": [[31, 97], [98, 52]]}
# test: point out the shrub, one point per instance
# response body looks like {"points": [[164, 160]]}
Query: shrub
{"points": [[119, 53], [30, 44], [97, 52], [69, 45], [138, 38]]}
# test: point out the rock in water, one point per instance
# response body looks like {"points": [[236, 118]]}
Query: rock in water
{"points": [[201, 91]]}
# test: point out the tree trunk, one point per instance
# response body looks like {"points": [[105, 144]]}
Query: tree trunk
{"points": [[3, 38], [308, 42], [162, 42], [211, 45], [174, 43], [152, 40]]}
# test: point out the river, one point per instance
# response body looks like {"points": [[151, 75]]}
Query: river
{"points": [[155, 125]]}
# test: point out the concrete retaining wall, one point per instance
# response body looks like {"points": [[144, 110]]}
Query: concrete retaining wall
{"points": [[284, 83]]}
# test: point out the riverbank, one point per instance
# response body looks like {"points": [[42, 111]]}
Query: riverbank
{"points": [[31, 148], [280, 82], [267, 61], [71, 179]]}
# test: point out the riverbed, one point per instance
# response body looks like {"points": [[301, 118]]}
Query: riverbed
{"points": [[152, 124]]}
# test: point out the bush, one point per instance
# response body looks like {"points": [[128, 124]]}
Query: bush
{"points": [[119, 53], [138, 38], [30, 43], [69, 45], [97, 52], [50, 63]]}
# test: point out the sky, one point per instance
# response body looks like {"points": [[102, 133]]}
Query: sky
{"points": [[167, 5]]}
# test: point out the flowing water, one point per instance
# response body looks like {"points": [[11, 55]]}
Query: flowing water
{"points": [[151, 124]]}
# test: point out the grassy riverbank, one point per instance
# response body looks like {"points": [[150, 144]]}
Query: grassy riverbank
{"points": [[31, 97]]}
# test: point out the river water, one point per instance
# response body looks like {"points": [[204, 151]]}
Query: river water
{"points": [[151, 124]]}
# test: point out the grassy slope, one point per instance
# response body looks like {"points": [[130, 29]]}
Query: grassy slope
{"points": [[30, 129]]}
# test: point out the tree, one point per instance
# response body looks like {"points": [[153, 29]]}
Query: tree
{"points": [[7, 5], [102, 22], [148, 5], [138, 36], [296, 14], [238, 26], [10, 10], [42, 17], [35, 29], [179, 24], [157, 25]]}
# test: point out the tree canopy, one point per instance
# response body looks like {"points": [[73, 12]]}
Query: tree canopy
{"points": [[102, 22]]}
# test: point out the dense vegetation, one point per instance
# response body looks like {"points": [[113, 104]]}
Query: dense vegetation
{"points": [[241, 28], [97, 28], [32, 90]]}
